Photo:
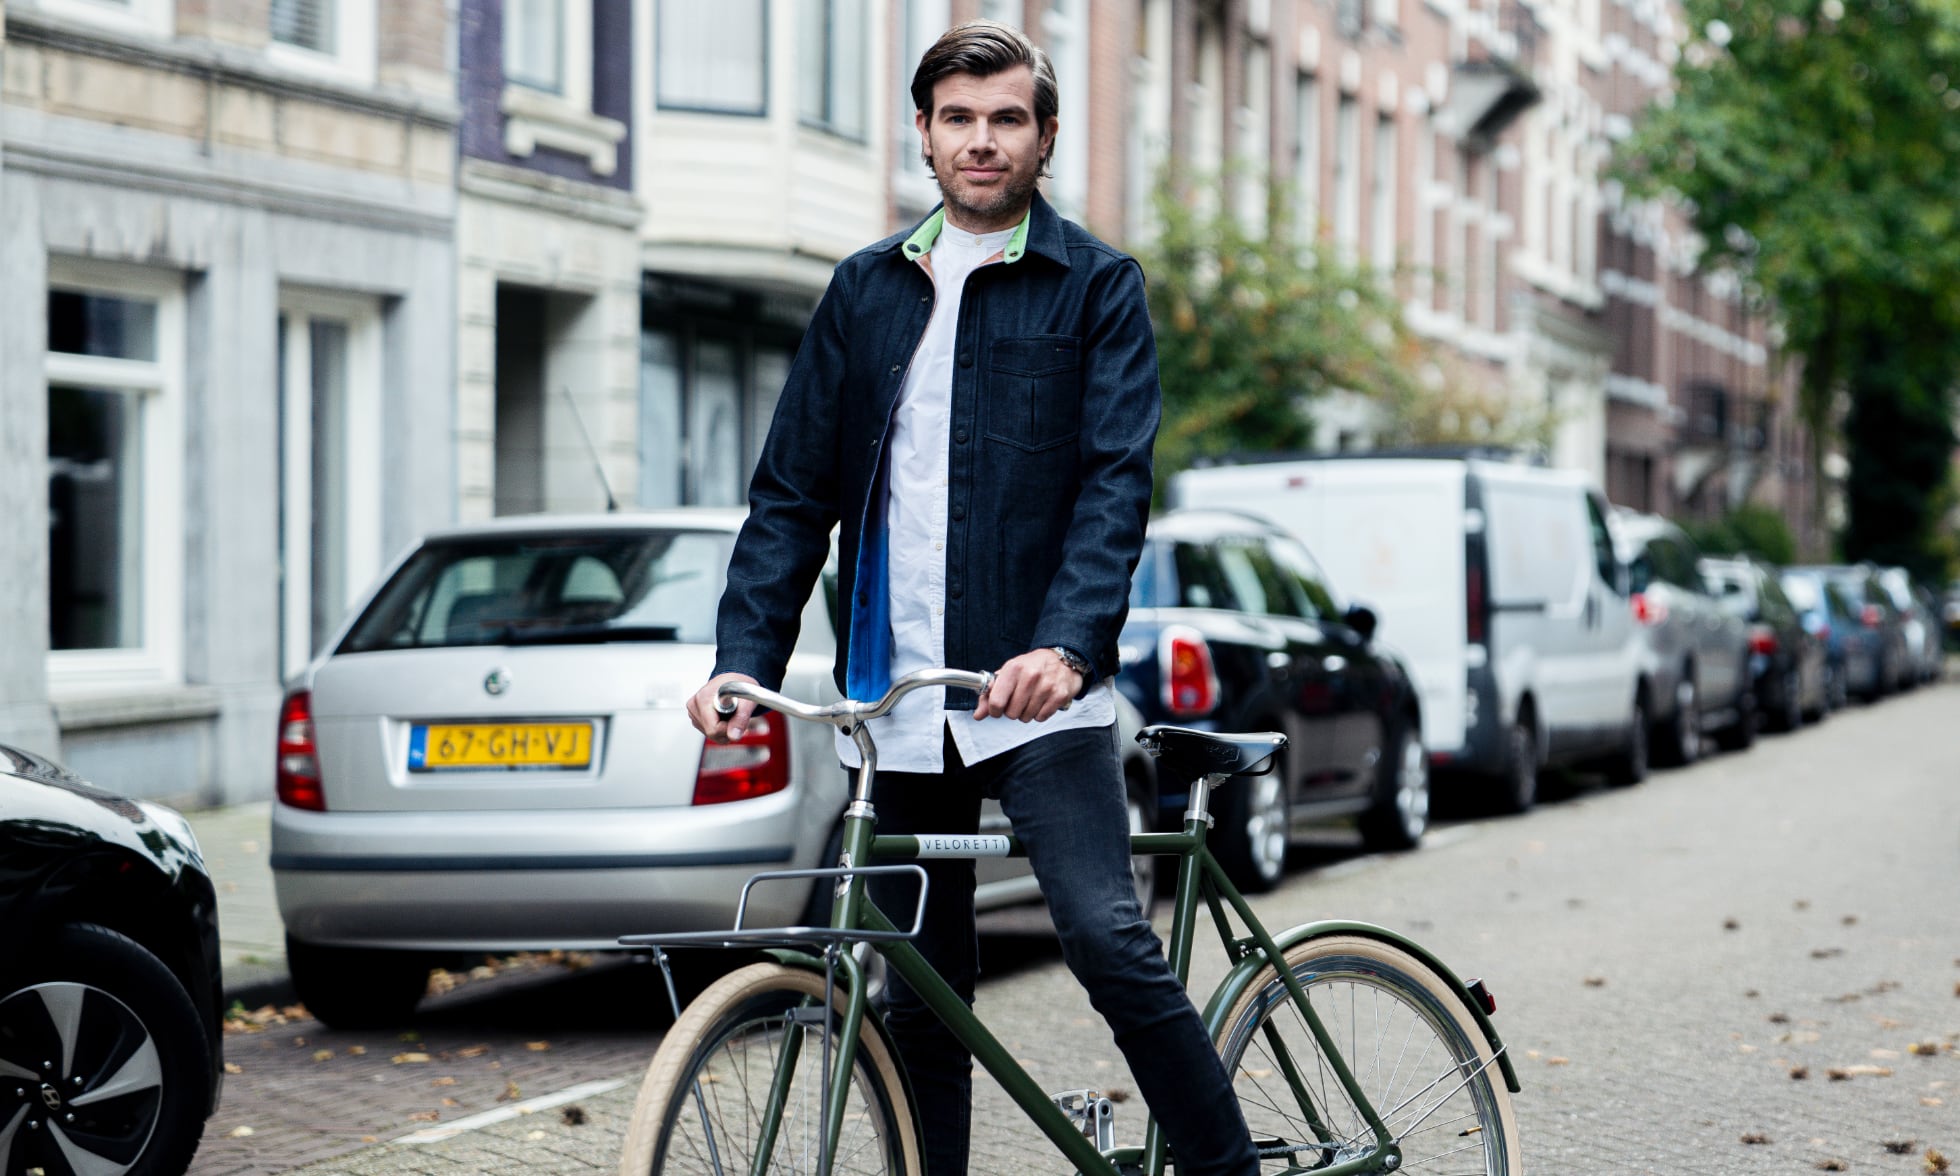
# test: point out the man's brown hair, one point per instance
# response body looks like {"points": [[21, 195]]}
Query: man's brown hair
{"points": [[984, 48]]}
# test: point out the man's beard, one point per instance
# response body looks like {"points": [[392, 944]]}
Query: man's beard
{"points": [[1015, 192]]}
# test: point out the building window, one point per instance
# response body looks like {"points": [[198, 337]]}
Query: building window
{"points": [[324, 36], [1150, 115], [832, 46], [1254, 147], [151, 17], [1065, 27], [115, 478], [1381, 212], [1347, 177], [1306, 153], [534, 44], [712, 57]]}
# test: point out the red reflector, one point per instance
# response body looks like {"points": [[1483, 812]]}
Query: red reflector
{"points": [[755, 765], [299, 755], [1648, 610], [1190, 684], [1482, 996], [1871, 616], [1762, 639]]}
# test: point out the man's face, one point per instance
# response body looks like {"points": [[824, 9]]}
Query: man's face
{"points": [[984, 146]]}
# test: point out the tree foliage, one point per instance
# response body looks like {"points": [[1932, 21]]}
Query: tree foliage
{"points": [[1253, 327], [1817, 146], [1751, 529]]}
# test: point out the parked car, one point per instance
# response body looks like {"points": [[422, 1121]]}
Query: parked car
{"points": [[1696, 653], [1879, 618], [492, 756], [1852, 652], [1499, 583], [1919, 623], [1234, 627], [1788, 662], [111, 1004], [1950, 614]]}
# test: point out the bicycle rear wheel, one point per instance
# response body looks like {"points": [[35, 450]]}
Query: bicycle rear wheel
{"points": [[1411, 1043], [703, 1107]]}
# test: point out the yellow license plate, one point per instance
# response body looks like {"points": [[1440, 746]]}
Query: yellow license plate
{"points": [[435, 746]]}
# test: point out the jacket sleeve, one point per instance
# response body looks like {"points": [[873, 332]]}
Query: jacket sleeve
{"points": [[1089, 597], [793, 504]]}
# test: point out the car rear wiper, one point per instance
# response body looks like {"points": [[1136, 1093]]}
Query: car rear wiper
{"points": [[584, 634]]}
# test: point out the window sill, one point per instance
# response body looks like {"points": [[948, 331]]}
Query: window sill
{"points": [[125, 708], [534, 119]]}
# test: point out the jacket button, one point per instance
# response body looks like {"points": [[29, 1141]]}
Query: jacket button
{"points": [[966, 359], [958, 513], [895, 368], [953, 591], [960, 437]]}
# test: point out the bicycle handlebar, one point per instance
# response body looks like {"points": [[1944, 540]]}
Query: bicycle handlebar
{"points": [[849, 711]]}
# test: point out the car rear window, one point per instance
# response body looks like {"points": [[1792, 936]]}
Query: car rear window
{"points": [[1802, 592], [549, 589]]}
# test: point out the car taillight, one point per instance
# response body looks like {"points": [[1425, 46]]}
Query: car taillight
{"points": [[299, 755], [1648, 610], [1473, 600], [1190, 684], [757, 764], [1871, 616], [1762, 639]]}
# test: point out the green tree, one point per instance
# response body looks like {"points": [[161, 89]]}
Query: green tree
{"points": [[1252, 328], [1817, 146], [1750, 529]]}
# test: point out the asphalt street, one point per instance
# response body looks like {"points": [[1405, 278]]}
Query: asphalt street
{"points": [[1751, 965]]}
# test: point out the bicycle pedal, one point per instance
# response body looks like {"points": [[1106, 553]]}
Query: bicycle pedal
{"points": [[1093, 1114]]}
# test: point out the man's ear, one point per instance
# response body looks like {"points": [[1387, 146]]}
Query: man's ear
{"points": [[1048, 136]]}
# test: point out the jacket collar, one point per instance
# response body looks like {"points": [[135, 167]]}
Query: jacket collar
{"points": [[1039, 232]]}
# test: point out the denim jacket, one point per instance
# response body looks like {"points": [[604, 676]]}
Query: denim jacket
{"points": [[1054, 413]]}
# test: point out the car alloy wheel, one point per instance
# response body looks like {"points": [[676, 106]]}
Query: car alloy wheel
{"points": [[1687, 722], [1400, 816], [1265, 827]]}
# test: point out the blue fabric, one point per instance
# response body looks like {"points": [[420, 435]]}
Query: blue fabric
{"points": [[1054, 412], [868, 658]]}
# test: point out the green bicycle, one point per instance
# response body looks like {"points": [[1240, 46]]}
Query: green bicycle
{"points": [[1351, 1048]]}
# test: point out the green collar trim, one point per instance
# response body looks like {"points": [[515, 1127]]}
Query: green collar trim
{"points": [[921, 241]]}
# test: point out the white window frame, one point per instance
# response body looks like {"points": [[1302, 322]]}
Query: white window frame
{"points": [[353, 59], [362, 476], [157, 387], [1384, 182], [766, 49], [1306, 154], [154, 18], [1347, 177], [564, 120]]}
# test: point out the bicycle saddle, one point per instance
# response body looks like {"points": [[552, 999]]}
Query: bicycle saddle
{"points": [[1205, 753]]}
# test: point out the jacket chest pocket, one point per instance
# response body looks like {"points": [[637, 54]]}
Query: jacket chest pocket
{"points": [[1033, 398]]}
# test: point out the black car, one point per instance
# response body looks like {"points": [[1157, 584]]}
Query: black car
{"points": [[1233, 627], [1788, 661], [111, 1001]]}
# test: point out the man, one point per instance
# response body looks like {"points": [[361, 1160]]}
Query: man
{"points": [[974, 404]]}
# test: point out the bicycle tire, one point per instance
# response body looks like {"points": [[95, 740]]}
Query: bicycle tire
{"points": [[729, 1039], [1437, 1087]]}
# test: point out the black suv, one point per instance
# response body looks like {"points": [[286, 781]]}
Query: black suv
{"points": [[110, 994], [1233, 627]]}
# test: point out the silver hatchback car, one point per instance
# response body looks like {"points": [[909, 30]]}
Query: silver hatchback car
{"points": [[492, 756]]}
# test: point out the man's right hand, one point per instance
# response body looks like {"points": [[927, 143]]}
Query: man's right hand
{"points": [[701, 710]]}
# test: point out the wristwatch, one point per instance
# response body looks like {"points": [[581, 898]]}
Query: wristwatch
{"points": [[1072, 660]]}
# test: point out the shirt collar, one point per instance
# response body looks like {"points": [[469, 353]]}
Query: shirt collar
{"points": [[921, 241]]}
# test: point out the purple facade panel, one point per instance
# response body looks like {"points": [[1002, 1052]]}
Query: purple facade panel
{"points": [[480, 49]]}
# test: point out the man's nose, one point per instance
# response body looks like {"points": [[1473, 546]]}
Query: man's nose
{"points": [[983, 136]]}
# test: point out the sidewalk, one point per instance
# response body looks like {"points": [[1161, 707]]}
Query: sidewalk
{"points": [[237, 844]]}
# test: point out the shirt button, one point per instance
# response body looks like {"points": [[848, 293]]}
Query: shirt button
{"points": [[966, 359], [939, 547]]}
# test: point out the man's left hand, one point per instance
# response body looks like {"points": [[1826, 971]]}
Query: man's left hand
{"points": [[1031, 687]]}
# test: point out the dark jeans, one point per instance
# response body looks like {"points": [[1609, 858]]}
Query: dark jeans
{"points": [[1064, 794]]}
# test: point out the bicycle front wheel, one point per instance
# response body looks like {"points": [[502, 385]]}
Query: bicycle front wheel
{"points": [[742, 1072], [1411, 1043]]}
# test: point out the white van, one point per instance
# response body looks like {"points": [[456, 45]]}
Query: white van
{"points": [[1499, 584]]}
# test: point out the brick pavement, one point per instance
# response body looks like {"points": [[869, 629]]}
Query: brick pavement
{"points": [[1663, 959]]}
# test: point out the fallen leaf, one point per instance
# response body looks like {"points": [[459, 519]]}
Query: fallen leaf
{"points": [[510, 1092], [1936, 1162], [450, 1102], [1849, 920], [370, 1139], [409, 1059], [473, 1051], [1863, 1071], [234, 1068], [1802, 904], [1595, 982], [1778, 1018], [1923, 1049], [322, 1055], [537, 1046], [1556, 1061], [1930, 1101], [574, 1116], [535, 1136], [1751, 993], [1730, 925], [1832, 1165], [1117, 1094], [1837, 1074], [1745, 1047], [356, 1051], [425, 1116], [1799, 1073], [1882, 987], [1900, 1147], [238, 1132], [1825, 953], [1258, 1073], [1886, 1055], [299, 1041], [445, 1081], [1754, 1137]]}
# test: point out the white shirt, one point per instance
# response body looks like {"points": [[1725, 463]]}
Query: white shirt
{"points": [[919, 452]]}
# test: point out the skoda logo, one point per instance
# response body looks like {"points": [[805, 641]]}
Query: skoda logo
{"points": [[496, 681], [51, 1097]]}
